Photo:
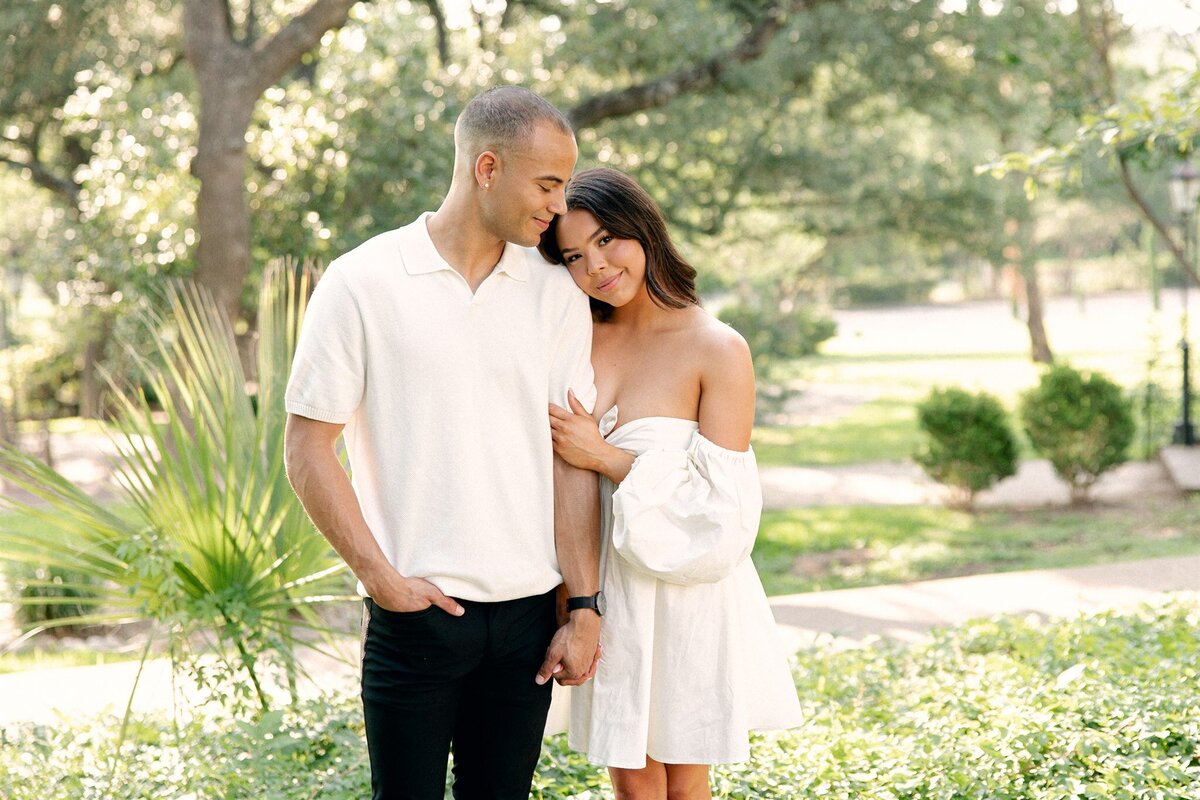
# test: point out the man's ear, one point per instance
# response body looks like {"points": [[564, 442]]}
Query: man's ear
{"points": [[486, 166]]}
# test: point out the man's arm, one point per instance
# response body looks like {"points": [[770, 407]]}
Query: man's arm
{"points": [[572, 653], [324, 489]]}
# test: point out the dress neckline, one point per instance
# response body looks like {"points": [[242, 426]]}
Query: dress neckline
{"points": [[610, 417]]}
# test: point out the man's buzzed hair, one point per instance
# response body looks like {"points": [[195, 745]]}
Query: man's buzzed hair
{"points": [[500, 117]]}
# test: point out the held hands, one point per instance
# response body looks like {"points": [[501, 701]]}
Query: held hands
{"points": [[576, 438], [574, 652]]}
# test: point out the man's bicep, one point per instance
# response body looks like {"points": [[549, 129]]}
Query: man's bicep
{"points": [[304, 436], [328, 375], [572, 367]]}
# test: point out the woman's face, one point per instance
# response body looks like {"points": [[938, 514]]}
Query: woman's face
{"points": [[609, 269]]}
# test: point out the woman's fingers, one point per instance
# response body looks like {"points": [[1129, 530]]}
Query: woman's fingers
{"points": [[576, 406]]}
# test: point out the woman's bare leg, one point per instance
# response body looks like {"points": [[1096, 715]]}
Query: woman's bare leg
{"points": [[647, 783], [688, 782], [658, 781]]}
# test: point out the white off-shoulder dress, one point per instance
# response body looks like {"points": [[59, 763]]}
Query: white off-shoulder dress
{"points": [[691, 663]]}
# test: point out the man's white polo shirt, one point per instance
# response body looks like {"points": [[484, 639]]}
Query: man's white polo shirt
{"points": [[444, 394]]}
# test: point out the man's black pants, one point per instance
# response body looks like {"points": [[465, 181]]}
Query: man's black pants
{"points": [[432, 682]]}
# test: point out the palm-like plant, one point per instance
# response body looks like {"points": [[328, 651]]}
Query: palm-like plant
{"points": [[215, 547]]}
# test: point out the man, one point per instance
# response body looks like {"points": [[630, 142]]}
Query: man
{"points": [[435, 350]]}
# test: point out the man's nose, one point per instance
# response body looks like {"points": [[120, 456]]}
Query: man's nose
{"points": [[558, 201]]}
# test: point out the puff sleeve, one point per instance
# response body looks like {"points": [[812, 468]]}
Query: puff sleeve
{"points": [[688, 516]]}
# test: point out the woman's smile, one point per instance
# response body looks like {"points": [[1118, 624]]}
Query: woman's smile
{"points": [[610, 283]]}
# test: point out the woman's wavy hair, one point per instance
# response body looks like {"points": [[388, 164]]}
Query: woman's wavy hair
{"points": [[626, 211]]}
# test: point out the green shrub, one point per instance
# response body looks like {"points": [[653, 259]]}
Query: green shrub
{"points": [[1106, 706], [1155, 410], [776, 335], [212, 547], [969, 443], [1082, 422], [52, 597]]}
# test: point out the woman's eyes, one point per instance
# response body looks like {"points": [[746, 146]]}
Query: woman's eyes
{"points": [[603, 240]]}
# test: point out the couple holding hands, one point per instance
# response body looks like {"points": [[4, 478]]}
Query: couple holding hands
{"points": [[532, 398]]}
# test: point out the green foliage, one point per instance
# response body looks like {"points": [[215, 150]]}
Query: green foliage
{"points": [[1082, 422], [839, 547], [214, 546], [50, 594], [969, 444], [1155, 409], [1106, 706], [776, 334]]}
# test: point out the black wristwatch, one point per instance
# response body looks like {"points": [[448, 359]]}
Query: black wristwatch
{"points": [[594, 602]]}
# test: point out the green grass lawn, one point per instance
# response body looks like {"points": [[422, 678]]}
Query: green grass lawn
{"points": [[49, 657], [837, 547], [881, 430]]}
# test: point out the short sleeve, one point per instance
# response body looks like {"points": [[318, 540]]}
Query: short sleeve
{"points": [[688, 516], [571, 366], [329, 367]]}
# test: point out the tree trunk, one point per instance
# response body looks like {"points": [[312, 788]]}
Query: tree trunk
{"points": [[1039, 343], [222, 212], [231, 76], [91, 388]]}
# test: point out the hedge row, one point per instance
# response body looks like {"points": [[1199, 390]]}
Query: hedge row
{"points": [[1106, 706]]}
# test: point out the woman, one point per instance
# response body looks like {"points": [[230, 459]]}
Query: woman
{"points": [[689, 661]]}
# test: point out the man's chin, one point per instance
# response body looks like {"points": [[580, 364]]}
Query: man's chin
{"points": [[525, 239]]}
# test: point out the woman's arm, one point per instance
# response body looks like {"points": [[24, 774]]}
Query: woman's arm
{"points": [[726, 390], [577, 441]]}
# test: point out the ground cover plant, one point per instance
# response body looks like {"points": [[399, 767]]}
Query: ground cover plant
{"points": [[1105, 706], [840, 547]]}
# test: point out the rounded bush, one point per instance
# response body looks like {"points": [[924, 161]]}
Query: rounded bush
{"points": [[1081, 422], [969, 444]]}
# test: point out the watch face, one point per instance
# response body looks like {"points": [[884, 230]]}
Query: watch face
{"points": [[601, 604]]}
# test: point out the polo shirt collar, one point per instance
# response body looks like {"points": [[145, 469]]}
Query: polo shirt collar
{"points": [[420, 257]]}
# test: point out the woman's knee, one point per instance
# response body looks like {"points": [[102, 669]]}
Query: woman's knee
{"points": [[688, 782], [648, 783]]}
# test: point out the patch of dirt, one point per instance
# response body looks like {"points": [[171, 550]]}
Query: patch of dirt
{"points": [[813, 404], [818, 565]]}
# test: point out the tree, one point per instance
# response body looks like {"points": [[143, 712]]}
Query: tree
{"points": [[1133, 131], [233, 69]]}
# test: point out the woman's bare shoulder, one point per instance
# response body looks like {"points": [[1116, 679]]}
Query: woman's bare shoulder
{"points": [[719, 344]]}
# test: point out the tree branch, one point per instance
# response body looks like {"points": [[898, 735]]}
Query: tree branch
{"points": [[707, 73], [1135, 194], [443, 42], [63, 187], [206, 31], [1098, 35], [274, 57]]}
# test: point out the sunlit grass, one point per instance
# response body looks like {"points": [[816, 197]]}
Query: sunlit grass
{"points": [[41, 658], [882, 430], [65, 426], [812, 549]]}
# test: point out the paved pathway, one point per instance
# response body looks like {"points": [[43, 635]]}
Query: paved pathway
{"points": [[847, 617], [904, 483], [906, 612]]}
